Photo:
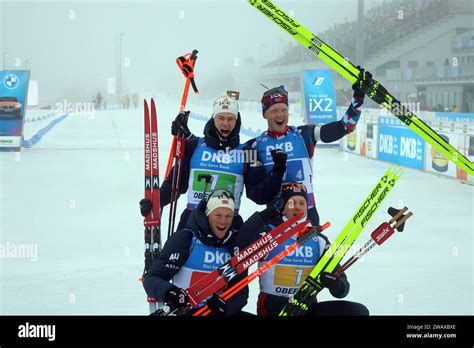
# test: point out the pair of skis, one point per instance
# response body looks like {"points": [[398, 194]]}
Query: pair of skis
{"points": [[351, 73], [152, 220], [299, 303], [218, 279], [152, 192]]}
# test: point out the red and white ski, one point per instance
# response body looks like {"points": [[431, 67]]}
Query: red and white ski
{"points": [[152, 192]]}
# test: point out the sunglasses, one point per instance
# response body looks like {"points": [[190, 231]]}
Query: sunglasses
{"points": [[221, 194], [294, 185]]}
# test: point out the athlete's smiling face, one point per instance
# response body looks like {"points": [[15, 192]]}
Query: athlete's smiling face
{"points": [[277, 117], [225, 123], [220, 220], [294, 206]]}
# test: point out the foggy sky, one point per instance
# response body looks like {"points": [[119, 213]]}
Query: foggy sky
{"points": [[71, 45]]}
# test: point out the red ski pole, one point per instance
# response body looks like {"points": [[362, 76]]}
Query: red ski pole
{"points": [[190, 58], [186, 64]]}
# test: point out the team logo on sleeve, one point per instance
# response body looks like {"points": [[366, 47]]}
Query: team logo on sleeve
{"points": [[174, 257]]}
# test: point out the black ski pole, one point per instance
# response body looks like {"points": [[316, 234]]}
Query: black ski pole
{"points": [[208, 180]]}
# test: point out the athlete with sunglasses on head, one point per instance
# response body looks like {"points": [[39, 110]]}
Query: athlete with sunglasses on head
{"points": [[284, 279]]}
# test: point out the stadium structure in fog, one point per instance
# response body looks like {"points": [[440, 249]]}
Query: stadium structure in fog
{"points": [[422, 50]]}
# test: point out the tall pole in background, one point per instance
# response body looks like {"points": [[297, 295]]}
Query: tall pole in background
{"points": [[117, 64], [360, 33], [119, 82]]}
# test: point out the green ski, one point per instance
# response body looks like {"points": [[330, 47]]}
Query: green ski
{"points": [[329, 260], [351, 73]]}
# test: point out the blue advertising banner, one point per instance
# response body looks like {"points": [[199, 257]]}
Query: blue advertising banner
{"points": [[399, 144], [320, 104], [455, 117], [13, 101]]}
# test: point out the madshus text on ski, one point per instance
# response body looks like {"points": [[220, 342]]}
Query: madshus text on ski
{"points": [[203, 268]]}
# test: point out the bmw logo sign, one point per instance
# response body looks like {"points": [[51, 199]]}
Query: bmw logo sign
{"points": [[11, 81]]}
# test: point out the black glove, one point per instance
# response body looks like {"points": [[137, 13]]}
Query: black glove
{"points": [[270, 214], [279, 160], [363, 83], [217, 305], [179, 125], [334, 284], [177, 297], [145, 207]]}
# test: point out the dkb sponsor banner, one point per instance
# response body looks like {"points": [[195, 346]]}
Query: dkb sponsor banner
{"points": [[398, 144]]}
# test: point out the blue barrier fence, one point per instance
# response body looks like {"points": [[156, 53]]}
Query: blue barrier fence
{"points": [[37, 137]]}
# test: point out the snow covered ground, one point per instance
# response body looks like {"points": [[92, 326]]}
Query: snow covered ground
{"points": [[71, 201]]}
